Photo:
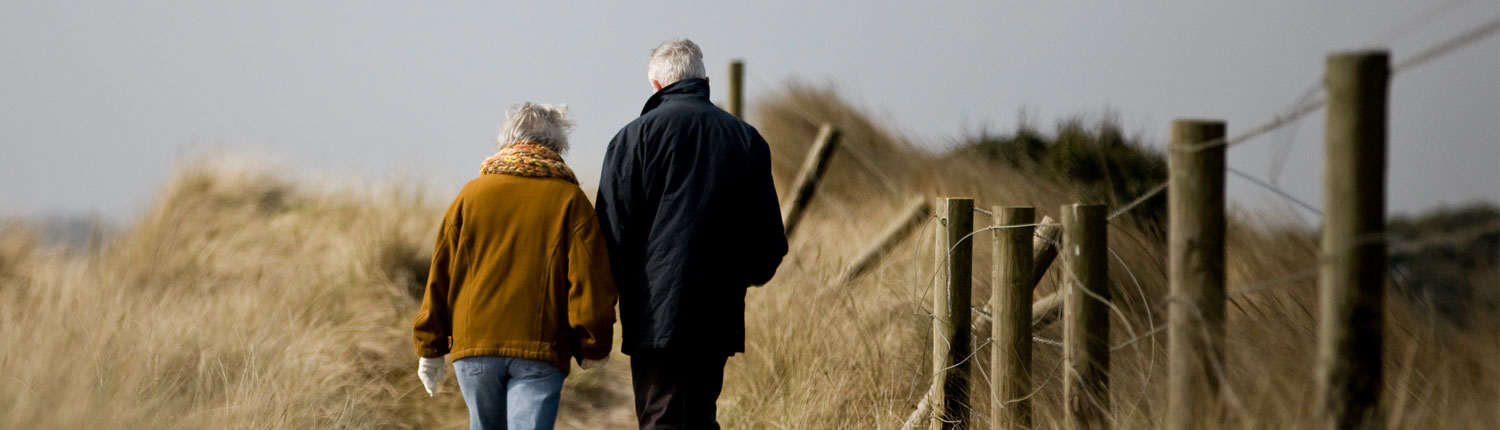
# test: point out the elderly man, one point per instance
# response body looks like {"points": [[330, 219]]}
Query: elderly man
{"points": [[690, 215]]}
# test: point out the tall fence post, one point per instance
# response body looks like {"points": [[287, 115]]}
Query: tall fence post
{"points": [[802, 188], [736, 102], [1195, 273], [1352, 277], [1085, 317], [1010, 295], [951, 348]]}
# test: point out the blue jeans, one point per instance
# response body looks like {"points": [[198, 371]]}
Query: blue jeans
{"points": [[509, 393]]}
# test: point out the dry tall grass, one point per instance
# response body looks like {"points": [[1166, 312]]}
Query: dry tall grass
{"points": [[241, 300], [246, 298]]}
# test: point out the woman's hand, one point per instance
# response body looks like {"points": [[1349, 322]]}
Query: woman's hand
{"points": [[430, 371]]}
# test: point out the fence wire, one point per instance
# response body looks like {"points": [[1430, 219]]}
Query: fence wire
{"points": [[1306, 105], [1311, 104]]}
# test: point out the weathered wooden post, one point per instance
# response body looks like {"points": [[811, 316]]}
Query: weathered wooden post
{"points": [[917, 209], [1085, 317], [1044, 249], [736, 102], [802, 188], [1195, 273], [951, 348], [1048, 237], [1045, 310], [1352, 277], [1010, 353]]}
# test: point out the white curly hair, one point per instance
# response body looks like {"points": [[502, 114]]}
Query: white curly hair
{"points": [[545, 125], [675, 60]]}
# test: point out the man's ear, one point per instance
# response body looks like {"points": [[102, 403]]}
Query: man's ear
{"points": [[655, 86]]}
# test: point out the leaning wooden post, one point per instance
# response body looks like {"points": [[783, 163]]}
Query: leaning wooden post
{"points": [[1085, 318], [917, 210], [1195, 273], [736, 102], [1352, 278], [1010, 295], [1044, 249], [802, 188], [951, 350]]}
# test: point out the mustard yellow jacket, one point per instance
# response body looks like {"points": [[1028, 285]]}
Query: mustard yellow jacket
{"points": [[520, 269]]}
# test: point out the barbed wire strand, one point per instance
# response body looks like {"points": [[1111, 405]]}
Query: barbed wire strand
{"points": [[1448, 46], [1275, 190], [1427, 55]]}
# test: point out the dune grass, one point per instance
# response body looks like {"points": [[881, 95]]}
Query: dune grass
{"points": [[250, 297]]}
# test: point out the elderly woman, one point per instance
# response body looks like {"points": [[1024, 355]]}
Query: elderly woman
{"points": [[520, 281]]}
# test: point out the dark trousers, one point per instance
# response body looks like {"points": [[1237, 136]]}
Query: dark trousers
{"points": [[677, 391]]}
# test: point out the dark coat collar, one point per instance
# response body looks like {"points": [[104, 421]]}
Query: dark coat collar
{"points": [[692, 88]]}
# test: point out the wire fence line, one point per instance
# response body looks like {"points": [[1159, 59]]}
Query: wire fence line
{"points": [[1275, 190], [1448, 46], [1306, 107], [1307, 104], [1311, 105], [1250, 289]]}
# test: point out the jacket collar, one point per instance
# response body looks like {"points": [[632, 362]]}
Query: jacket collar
{"points": [[693, 88]]}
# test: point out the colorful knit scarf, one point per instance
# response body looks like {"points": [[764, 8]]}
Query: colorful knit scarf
{"points": [[530, 160]]}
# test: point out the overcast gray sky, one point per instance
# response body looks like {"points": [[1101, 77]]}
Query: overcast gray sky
{"points": [[99, 99]]}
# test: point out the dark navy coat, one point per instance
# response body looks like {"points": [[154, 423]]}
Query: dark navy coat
{"points": [[690, 216]]}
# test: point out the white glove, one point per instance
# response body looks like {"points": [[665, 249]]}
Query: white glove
{"points": [[430, 371], [587, 364]]}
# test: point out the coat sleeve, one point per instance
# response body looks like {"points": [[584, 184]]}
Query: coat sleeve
{"points": [[591, 289], [433, 326], [616, 198], [764, 216]]}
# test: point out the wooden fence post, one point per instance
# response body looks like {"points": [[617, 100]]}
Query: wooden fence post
{"points": [[736, 102], [1352, 277], [952, 356], [1010, 353], [1047, 238], [802, 188], [1085, 317], [1195, 348]]}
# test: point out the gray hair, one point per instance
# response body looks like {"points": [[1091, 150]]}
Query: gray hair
{"points": [[676, 60], [544, 125]]}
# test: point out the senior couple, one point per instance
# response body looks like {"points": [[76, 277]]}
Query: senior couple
{"points": [[525, 273]]}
